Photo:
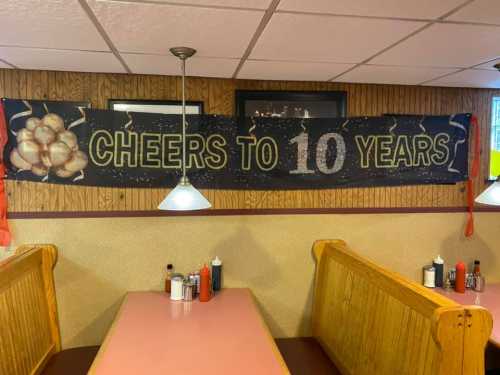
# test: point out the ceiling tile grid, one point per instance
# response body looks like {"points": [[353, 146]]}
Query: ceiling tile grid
{"points": [[445, 45], [48, 24], [482, 11], [291, 70], [299, 37], [422, 9], [469, 78], [5, 66], [244, 4], [404, 75], [65, 60], [154, 28], [488, 65], [170, 65], [369, 41]]}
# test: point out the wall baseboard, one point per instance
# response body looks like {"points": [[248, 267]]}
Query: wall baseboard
{"points": [[242, 212]]}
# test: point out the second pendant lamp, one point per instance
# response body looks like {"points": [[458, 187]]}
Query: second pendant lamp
{"points": [[184, 197]]}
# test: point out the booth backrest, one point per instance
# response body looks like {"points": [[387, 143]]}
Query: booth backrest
{"points": [[29, 329], [372, 321]]}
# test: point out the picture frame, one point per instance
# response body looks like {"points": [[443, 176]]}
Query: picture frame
{"points": [[169, 107], [290, 104]]}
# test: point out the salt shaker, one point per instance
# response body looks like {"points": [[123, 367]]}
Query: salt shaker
{"points": [[176, 287], [429, 277], [479, 283]]}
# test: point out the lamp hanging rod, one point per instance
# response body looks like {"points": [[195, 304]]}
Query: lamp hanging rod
{"points": [[183, 53]]}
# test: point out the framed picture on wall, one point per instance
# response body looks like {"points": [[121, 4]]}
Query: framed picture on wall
{"points": [[167, 107], [291, 104]]}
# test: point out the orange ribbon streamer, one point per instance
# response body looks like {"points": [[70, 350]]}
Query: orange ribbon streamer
{"points": [[5, 236], [469, 229]]}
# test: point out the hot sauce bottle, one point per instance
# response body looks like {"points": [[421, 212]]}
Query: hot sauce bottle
{"points": [[204, 284], [460, 278], [168, 278]]}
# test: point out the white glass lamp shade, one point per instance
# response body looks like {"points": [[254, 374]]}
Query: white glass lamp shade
{"points": [[491, 195], [184, 197]]}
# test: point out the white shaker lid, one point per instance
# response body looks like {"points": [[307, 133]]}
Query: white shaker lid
{"points": [[216, 261], [438, 260]]}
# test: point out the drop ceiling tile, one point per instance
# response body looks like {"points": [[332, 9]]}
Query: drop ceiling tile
{"points": [[291, 71], [488, 65], [422, 9], [247, 4], [169, 65], [5, 66], [323, 38], [49, 59], [470, 78], [154, 28], [48, 24], [402, 75], [484, 11], [445, 45]]}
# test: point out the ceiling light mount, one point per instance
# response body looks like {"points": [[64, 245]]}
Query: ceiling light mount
{"points": [[182, 53]]}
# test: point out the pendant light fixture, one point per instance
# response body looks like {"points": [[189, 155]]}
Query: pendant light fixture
{"points": [[184, 197], [491, 196]]}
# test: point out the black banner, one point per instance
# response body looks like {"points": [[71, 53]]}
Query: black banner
{"points": [[63, 144]]}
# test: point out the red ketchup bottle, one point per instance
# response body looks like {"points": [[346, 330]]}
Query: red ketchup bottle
{"points": [[204, 284], [460, 277]]}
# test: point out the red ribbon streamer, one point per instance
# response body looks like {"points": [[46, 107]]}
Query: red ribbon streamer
{"points": [[469, 229], [5, 236]]}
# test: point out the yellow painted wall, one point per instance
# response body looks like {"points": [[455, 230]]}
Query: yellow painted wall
{"points": [[101, 259]]}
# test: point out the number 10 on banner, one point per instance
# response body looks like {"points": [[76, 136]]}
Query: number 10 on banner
{"points": [[324, 142], [265, 153]]}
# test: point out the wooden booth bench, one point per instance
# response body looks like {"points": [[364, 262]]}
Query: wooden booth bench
{"points": [[30, 342], [371, 321]]}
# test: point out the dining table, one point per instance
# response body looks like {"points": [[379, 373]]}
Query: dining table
{"points": [[489, 299], [153, 334]]}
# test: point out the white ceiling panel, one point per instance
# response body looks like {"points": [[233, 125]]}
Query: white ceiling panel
{"points": [[49, 59], [422, 9], [403, 75], [154, 28], [169, 65], [323, 38], [484, 11], [488, 65], [445, 45], [4, 66], [291, 71], [470, 78], [247, 4], [48, 24]]}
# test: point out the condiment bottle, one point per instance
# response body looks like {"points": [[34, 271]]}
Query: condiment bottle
{"points": [[216, 274], [204, 284], [168, 278], [438, 264], [477, 268], [460, 277]]}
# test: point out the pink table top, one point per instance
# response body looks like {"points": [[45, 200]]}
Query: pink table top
{"points": [[489, 299], [154, 335]]}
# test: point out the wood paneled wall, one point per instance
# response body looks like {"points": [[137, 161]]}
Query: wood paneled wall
{"points": [[218, 96]]}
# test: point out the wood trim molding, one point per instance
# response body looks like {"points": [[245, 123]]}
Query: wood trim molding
{"points": [[241, 212]]}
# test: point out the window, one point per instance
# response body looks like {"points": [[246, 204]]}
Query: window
{"points": [[495, 139]]}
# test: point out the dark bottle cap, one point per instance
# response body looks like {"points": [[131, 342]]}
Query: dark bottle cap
{"points": [[170, 266]]}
